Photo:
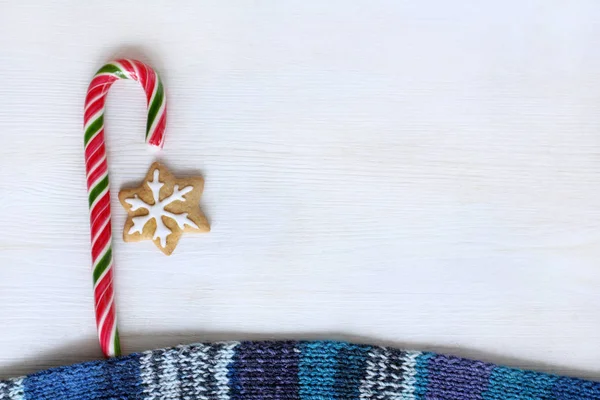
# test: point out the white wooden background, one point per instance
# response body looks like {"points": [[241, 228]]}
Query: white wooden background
{"points": [[424, 174]]}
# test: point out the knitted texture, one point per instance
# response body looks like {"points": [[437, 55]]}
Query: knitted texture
{"points": [[292, 370]]}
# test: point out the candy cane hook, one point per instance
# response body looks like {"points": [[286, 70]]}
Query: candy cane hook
{"points": [[97, 181]]}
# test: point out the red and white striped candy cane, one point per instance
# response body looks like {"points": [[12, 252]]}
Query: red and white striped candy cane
{"points": [[97, 181]]}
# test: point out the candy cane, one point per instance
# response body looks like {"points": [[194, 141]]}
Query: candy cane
{"points": [[97, 181]]}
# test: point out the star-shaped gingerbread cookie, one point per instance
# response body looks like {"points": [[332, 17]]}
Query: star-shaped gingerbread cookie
{"points": [[163, 208]]}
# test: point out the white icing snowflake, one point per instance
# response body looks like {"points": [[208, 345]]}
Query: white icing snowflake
{"points": [[157, 210]]}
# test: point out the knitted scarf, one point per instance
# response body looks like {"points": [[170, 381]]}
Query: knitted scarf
{"points": [[292, 370]]}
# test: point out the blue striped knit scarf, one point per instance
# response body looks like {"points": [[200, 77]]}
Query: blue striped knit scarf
{"points": [[292, 370]]}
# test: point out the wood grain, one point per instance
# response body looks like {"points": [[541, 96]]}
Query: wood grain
{"points": [[423, 174]]}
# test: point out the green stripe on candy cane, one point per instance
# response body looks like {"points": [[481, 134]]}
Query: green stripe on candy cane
{"points": [[117, 342], [102, 265], [93, 129], [97, 190], [155, 105], [112, 69]]}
